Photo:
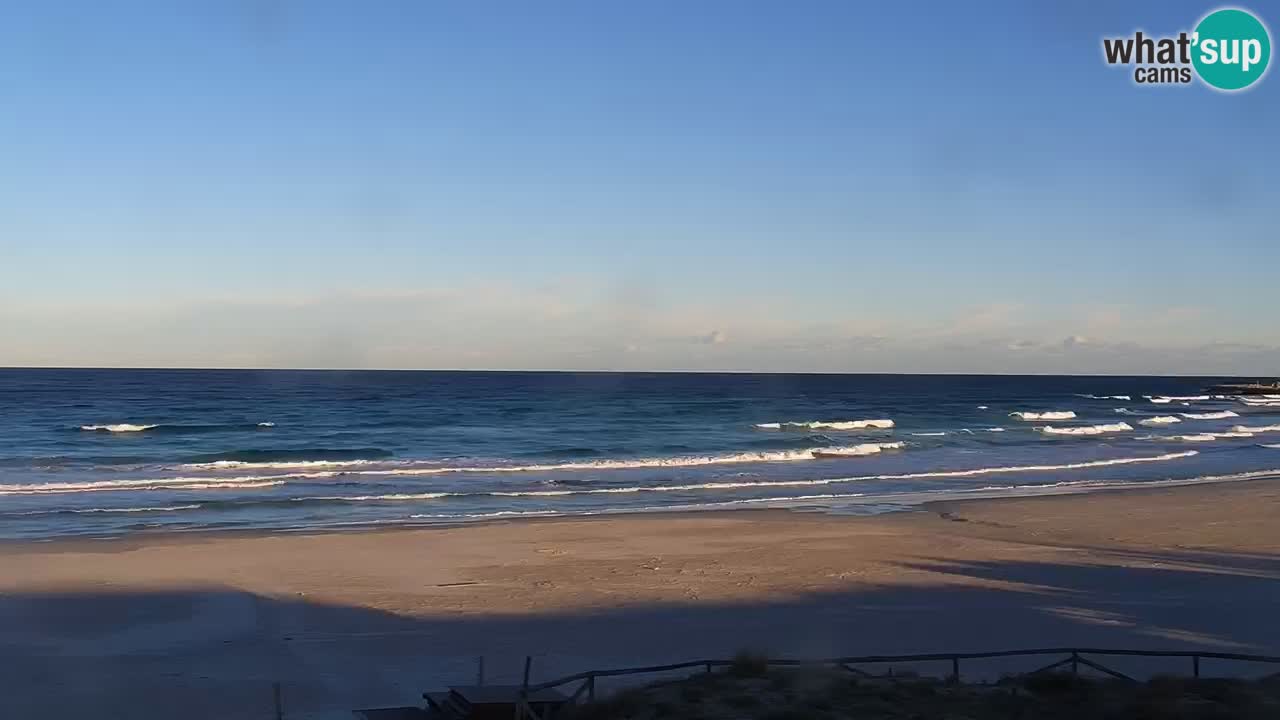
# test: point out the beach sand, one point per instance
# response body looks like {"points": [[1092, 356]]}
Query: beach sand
{"points": [[200, 626]]}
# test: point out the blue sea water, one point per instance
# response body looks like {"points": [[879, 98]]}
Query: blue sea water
{"points": [[112, 452]]}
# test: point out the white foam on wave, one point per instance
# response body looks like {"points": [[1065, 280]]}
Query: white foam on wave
{"points": [[1108, 397], [881, 424], [1166, 399], [95, 511], [388, 496], [1160, 420], [740, 485], [1050, 415], [1255, 428], [910, 499], [1272, 446], [772, 456], [929, 434], [1209, 415], [995, 429], [982, 407], [282, 464], [117, 428], [857, 450], [684, 507], [1198, 437], [1254, 402], [177, 483], [266, 424], [1125, 411], [1086, 429]]}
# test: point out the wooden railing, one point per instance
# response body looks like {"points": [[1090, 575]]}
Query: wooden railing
{"points": [[1073, 657]]}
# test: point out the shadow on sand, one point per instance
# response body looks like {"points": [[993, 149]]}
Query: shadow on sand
{"points": [[212, 652]]}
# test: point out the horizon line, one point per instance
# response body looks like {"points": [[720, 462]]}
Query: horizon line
{"points": [[565, 371]]}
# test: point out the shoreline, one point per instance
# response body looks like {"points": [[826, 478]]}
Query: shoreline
{"points": [[144, 537], [202, 624]]}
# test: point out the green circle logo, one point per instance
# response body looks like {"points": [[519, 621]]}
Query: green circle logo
{"points": [[1232, 49]]}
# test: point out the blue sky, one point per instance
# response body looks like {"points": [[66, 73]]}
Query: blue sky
{"points": [[793, 186]]}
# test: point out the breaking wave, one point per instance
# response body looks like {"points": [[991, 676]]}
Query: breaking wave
{"points": [[740, 485], [683, 461], [1086, 429], [1050, 415], [1210, 415], [1160, 420], [96, 511], [288, 459], [177, 483], [833, 425], [118, 428], [1258, 429], [1255, 402], [174, 429]]}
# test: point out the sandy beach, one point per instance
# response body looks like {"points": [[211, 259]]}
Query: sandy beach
{"points": [[201, 625]]}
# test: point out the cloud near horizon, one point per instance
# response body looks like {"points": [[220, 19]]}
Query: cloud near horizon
{"points": [[584, 326]]}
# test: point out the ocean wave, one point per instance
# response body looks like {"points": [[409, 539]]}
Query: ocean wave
{"points": [[1050, 415], [1257, 429], [910, 499], [928, 434], [1198, 437], [1210, 415], [882, 424], [774, 456], [1086, 429], [96, 511], [995, 429], [1125, 411], [1108, 397], [288, 458], [177, 483], [1272, 446], [1166, 399], [1160, 420], [683, 507], [857, 450], [174, 428], [387, 496], [749, 485]]}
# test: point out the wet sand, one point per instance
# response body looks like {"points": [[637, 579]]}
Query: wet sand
{"points": [[200, 626]]}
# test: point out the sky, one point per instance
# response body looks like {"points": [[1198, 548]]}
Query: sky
{"points": [[801, 186]]}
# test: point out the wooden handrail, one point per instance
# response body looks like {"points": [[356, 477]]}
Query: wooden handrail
{"points": [[1195, 655]]}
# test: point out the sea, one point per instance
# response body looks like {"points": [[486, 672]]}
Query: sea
{"points": [[111, 453]]}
